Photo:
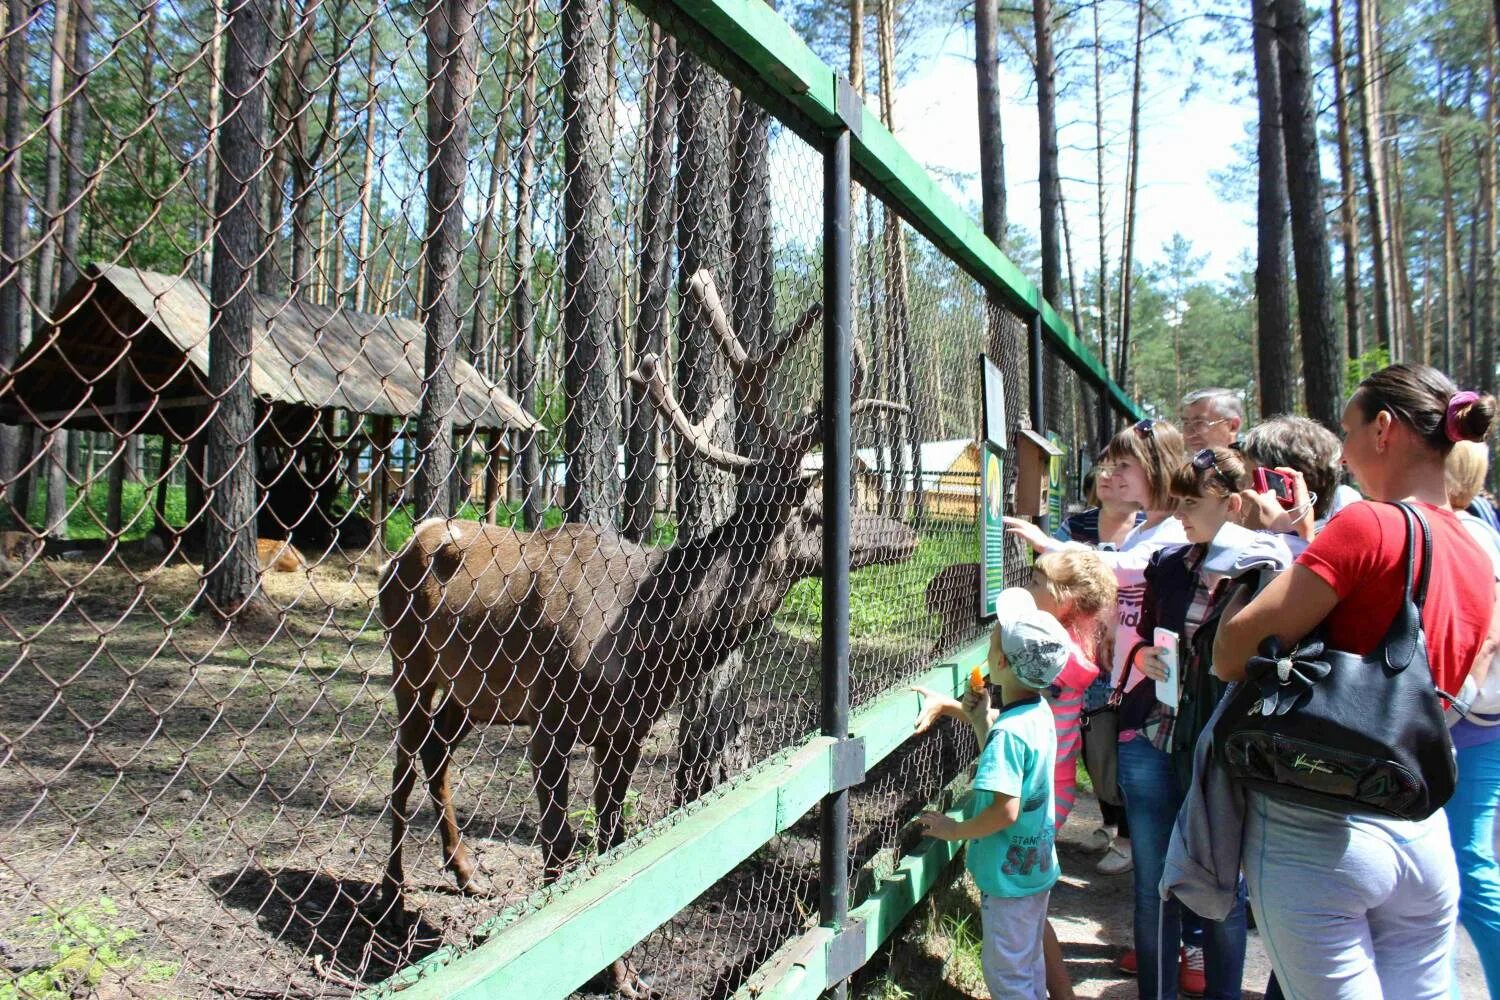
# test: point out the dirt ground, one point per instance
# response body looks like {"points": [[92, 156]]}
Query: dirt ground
{"points": [[1091, 913], [185, 812]]}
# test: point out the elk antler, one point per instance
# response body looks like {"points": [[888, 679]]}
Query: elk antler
{"points": [[752, 372], [649, 376]]}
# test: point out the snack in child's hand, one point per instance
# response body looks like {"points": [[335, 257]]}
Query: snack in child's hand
{"points": [[976, 680]]}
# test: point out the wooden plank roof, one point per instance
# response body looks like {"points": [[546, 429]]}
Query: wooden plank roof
{"points": [[305, 354]]}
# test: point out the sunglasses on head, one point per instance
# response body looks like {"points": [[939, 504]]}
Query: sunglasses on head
{"points": [[1144, 428], [1204, 460]]}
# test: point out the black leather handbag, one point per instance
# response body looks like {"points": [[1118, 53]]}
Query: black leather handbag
{"points": [[1346, 732]]}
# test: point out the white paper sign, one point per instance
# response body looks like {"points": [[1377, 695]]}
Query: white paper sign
{"points": [[1169, 690]]}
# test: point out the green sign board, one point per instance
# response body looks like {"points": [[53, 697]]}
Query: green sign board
{"points": [[992, 525], [991, 486], [1057, 481]]}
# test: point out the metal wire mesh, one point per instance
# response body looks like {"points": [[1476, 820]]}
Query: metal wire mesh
{"points": [[282, 290]]}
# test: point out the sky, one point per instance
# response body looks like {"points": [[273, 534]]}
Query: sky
{"points": [[1184, 142]]}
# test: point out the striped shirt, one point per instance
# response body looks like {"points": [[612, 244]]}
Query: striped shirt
{"points": [[1066, 697]]}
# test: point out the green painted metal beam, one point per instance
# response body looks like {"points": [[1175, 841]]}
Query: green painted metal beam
{"points": [[588, 922], [761, 53]]}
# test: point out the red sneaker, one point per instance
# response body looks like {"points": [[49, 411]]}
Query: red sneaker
{"points": [[1192, 981], [1126, 962]]}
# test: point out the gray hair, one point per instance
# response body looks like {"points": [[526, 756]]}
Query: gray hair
{"points": [[1226, 401]]}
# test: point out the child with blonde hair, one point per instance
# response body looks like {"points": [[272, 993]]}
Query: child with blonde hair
{"points": [[1077, 588]]}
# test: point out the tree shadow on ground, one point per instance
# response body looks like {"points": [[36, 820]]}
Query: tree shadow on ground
{"points": [[339, 919]]}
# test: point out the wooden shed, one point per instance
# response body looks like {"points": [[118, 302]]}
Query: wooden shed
{"points": [[949, 478], [130, 356]]}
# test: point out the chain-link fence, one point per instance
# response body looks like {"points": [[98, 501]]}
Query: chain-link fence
{"points": [[412, 471]]}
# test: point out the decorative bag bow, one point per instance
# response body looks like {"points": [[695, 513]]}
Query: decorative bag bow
{"points": [[1284, 681]]}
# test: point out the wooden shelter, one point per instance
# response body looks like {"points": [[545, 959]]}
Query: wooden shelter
{"points": [[129, 355]]}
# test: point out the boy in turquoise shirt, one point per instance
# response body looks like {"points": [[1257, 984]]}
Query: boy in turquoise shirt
{"points": [[1011, 854]]}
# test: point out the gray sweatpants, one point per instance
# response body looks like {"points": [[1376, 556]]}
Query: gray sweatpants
{"points": [[1014, 967], [1352, 907]]}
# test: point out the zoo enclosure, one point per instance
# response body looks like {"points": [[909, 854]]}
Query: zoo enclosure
{"points": [[242, 297]]}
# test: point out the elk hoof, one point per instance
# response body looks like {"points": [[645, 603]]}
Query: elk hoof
{"points": [[629, 984]]}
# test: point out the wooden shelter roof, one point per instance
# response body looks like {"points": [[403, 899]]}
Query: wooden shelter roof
{"points": [[147, 334]]}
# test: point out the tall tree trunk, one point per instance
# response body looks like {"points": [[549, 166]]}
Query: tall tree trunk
{"points": [[482, 331], [1450, 252], [1047, 176], [703, 231], [1132, 175], [12, 225], [1348, 216], [231, 588], [653, 275], [1489, 179], [897, 437], [991, 140], [52, 125], [451, 53], [367, 203], [302, 150], [78, 119], [1273, 310], [591, 425], [210, 148], [1400, 267], [1103, 276], [1373, 143], [526, 463], [702, 228], [1322, 354], [64, 34]]}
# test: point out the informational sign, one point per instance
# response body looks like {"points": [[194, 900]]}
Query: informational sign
{"points": [[992, 487], [1057, 482], [994, 404]]}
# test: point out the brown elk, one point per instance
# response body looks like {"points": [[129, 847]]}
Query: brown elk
{"points": [[582, 634]]}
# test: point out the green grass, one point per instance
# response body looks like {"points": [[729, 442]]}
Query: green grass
{"points": [[89, 945], [86, 514], [887, 600]]}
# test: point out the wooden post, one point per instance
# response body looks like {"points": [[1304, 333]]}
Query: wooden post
{"points": [[193, 483], [114, 515], [163, 473], [492, 483], [380, 453]]}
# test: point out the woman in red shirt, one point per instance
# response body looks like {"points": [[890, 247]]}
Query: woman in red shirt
{"points": [[1356, 906]]}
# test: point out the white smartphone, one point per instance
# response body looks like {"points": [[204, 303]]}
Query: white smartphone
{"points": [[1169, 690]]}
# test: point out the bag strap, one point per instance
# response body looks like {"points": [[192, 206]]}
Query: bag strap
{"points": [[1410, 514], [1404, 637]]}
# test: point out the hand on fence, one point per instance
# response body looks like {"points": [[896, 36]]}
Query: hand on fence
{"points": [[1030, 534], [934, 707], [939, 825]]}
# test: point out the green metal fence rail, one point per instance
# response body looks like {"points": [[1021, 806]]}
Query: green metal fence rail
{"points": [[554, 947], [752, 45]]}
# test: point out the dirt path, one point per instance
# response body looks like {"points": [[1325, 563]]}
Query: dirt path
{"points": [[936, 959]]}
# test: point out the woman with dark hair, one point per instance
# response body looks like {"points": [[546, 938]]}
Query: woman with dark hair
{"points": [[1353, 905]]}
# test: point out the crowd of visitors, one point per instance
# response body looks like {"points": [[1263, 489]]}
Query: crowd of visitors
{"points": [[1279, 683]]}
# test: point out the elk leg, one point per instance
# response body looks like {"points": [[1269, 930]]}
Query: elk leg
{"points": [[453, 721], [411, 728], [615, 760], [551, 742]]}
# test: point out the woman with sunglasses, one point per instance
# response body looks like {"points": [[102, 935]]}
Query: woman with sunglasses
{"points": [[1353, 905], [1186, 590]]}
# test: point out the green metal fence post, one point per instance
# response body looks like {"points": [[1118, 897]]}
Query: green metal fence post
{"points": [[837, 401]]}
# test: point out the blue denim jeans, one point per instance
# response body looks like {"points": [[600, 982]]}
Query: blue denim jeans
{"points": [[1152, 800], [1471, 825]]}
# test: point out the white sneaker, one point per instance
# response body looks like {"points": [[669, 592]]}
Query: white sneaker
{"points": [[1099, 839], [1116, 861]]}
